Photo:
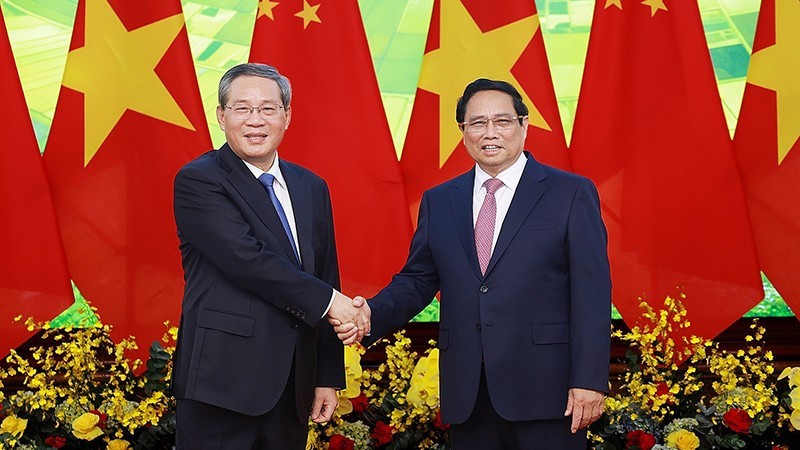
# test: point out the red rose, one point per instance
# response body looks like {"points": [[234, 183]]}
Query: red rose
{"points": [[640, 440], [339, 442], [437, 422], [55, 441], [103, 418], [662, 389], [737, 420], [360, 403], [382, 434]]}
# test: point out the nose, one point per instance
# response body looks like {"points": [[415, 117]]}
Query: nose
{"points": [[255, 119], [491, 129]]}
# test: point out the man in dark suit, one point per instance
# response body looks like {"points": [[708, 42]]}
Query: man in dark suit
{"points": [[518, 251], [254, 356]]}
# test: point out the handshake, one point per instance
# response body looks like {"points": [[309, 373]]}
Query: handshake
{"points": [[350, 318]]}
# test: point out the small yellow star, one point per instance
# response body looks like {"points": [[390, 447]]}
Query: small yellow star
{"points": [[265, 8], [308, 14], [655, 5], [617, 3]]}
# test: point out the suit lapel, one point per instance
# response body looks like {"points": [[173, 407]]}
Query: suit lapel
{"points": [[531, 186], [461, 203], [302, 205], [256, 196]]}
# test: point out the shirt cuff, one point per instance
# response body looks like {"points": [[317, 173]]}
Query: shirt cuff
{"points": [[330, 303]]}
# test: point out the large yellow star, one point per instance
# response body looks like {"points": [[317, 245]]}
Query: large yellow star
{"points": [[115, 70], [265, 8], [617, 3], [655, 5], [466, 53], [778, 68], [308, 14]]}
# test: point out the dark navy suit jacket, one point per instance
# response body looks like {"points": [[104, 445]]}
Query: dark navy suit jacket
{"points": [[539, 320], [248, 309]]}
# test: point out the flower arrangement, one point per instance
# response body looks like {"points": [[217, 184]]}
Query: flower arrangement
{"points": [[79, 391], [664, 402], [394, 407]]}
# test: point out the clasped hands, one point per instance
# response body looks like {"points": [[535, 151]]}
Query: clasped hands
{"points": [[350, 318]]}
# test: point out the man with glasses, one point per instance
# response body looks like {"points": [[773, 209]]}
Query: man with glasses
{"points": [[518, 252], [254, 356]]}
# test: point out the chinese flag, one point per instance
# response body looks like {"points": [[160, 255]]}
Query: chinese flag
{"points": [[650, 132], [128, 117], [339, 130], [34, 281], [768, 148], [470, 39]]}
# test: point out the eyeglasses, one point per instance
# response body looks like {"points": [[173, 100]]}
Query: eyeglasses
{"points": [[501, 123], [243, 112]]}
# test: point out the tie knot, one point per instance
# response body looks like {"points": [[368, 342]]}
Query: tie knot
{"points": [[492, 185], [267, 179]]}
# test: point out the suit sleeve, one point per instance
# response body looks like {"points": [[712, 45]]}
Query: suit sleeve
{"points": [[206, 217], [412, 289], [330, 350], [590, 291]]}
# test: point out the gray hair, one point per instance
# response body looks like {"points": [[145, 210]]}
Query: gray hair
{"points": [[254, 70]]}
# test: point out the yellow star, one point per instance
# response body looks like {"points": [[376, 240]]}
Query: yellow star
{"points": [[115, 70], [265, 8], [655, 5], [617, 3], [308, 14], [466, 53], [778, 68]]}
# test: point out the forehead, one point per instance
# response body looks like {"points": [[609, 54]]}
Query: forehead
{"points": [[489, 103], [254, 88]]}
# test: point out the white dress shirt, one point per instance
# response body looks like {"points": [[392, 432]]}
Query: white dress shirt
{"points": [[510, 178]]}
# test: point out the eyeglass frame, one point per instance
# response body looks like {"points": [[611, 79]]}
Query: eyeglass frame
{"points": [[254, 109], [463, 125]]}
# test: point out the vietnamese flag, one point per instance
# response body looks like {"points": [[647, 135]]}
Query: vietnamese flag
{"points": [[339, 130], [650, 132], [34, 281], [470, 39], [128, 117], [767, 145]]}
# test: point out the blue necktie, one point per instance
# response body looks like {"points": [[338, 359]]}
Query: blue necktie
{"points": [[267, 179]]}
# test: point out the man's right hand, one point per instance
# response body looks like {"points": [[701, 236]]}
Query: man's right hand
{"points": [[348, 318]]}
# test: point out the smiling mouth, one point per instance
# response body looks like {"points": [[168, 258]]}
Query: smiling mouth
{"points": [[255, 137], [491, 149]]}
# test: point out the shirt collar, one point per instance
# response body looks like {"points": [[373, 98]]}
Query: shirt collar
{"points": [[510, 177], [275, 171]]}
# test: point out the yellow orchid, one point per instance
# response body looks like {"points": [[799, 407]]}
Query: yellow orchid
{"points": [[14, 425]]}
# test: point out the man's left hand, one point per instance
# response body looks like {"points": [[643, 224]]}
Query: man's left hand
{"points": [[585, 406], [325, 402]]}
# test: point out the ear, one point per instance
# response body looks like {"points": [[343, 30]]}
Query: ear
{"points": [[221, 118], [288, 118]]}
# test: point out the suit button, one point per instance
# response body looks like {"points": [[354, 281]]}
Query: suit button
{"points": [[484, 289], [295, 325], [478, 326]]}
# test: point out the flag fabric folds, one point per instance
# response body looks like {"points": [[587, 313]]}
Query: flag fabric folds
{"points": [[470, 39], [34, 281], [768, 146], [650, 131], [339, 130], [128, 117]]}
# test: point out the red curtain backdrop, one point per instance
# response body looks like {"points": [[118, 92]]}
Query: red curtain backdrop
{"points": [[650, 132], [767, 145], [339, 131], [34, 281], [467, 40], [128, 117]]}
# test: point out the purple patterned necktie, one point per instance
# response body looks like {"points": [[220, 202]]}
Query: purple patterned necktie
{"points": [[484, 226]]}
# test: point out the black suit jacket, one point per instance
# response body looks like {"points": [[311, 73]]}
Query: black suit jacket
{"points": [[538, 321], [248, 309]]}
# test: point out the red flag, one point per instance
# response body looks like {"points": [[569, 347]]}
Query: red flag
{"points": [[339, 130], [768, 147], [650, 132], [128, 117], [33, 278], [470, 39]]}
